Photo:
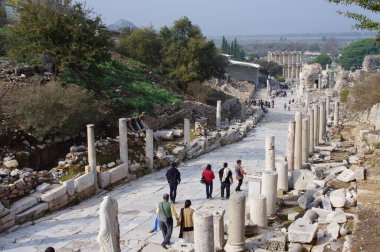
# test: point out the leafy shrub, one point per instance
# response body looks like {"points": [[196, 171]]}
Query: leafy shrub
{"points": [[51, 109]]}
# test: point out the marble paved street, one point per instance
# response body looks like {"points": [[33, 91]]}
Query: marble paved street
{"points": [[76, 228]]}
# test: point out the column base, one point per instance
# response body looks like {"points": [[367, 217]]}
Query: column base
{"points": [[234, 248]]}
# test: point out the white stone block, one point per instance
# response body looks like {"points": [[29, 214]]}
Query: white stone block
{"points": [[301, 179], [104, 179], [302, 232], [347, 176], [11, 163], [352, 159], [360, 173], [83, 182], [32, 213], [338, 198], [23, 204], [43, 187], [333, 229], [70, 187], [54, 194], [118, 173], [337, 216]]}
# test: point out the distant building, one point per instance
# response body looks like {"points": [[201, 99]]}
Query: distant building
{"points": [[291, 63], [243, 71]]}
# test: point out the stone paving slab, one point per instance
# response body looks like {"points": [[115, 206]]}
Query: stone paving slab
{"points": [[76, 227]]}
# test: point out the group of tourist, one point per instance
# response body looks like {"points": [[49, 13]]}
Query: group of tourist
{"points": [[166, 210]]}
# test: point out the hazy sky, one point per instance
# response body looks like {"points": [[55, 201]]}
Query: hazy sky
{"points": [[229, 17]]}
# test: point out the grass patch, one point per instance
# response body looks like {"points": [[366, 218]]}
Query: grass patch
{"points": [[343, 95], [72, 172], [123, 87], [297, 209]]}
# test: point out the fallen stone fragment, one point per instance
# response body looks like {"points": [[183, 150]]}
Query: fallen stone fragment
{"points": [[338, 216], [301, 179], [347, 176], [302, 232], [307, 198], [338, 198], [43, 187], [333, 229], [360, 173], [352, 159], [276, 241], [326, 203]]}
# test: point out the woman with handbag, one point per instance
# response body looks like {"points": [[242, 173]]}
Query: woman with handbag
{"points": [[208, 176], [186, 231]]}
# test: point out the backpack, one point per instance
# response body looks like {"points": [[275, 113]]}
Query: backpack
{"points": [[221, 171]]}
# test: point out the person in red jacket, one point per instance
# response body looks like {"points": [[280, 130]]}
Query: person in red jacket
{"points": [[208, 176]]}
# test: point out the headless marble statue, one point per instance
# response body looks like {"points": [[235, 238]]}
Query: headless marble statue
{"points": [[109, 234]]}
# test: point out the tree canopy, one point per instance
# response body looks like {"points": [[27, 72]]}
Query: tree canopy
{"points": [[59, 32], [353, 54], [269, 68], [323, 59], [233, 49], [363, 22]]}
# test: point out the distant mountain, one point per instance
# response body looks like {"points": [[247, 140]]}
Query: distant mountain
{"points": [[120, 24]]}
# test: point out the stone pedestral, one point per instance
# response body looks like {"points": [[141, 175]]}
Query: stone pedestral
{"points": [[258, 210], [269, 190], [236, 224], [283, 179], [203, 231]]}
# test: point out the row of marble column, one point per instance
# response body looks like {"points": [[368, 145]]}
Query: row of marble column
{"points": [[284, 58], [307, 132], [123, 145]]}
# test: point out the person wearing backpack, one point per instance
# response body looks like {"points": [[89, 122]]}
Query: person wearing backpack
{"points": [[166, 211], [225, 176], [174, 178], [208, 176]]}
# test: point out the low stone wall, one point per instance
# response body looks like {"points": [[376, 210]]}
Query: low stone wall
{"points": [[71, 191]]}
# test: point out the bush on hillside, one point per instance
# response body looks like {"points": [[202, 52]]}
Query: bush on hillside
{"points": [[51, 109]]}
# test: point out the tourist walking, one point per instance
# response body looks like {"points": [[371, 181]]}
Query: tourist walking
{"points": [[165, 212], [208, 176], [239, 174], [225, 175], [174, 178], [285, 106], [186, 224]]}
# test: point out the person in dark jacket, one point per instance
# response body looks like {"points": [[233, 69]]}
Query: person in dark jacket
{"points": [[225, 176], [208, 176], [174, 178]]}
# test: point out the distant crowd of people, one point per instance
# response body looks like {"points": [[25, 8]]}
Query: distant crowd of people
{"points": [[166, 212]]}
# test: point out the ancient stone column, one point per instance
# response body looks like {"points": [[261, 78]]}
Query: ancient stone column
{"points": [[109, 233], [218, 113], [269, 153], [336, 114], [311, 131], [123, 141], [307, 103], [282, 171], [319, 81], [305, 140], [258, 211], [327, 106], [186, 133], [91, 154], [149, 148], [316, 125], [269, 190], [290, 145], [298, 142], [322, 120], [236, 223], [203, 231]]}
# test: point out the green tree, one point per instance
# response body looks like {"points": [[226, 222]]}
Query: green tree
{"points": [[353, 54], [323, 59], [142, 44], [363, 21], [269, 68], [60, 32], [187, 55]]}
